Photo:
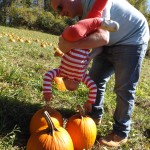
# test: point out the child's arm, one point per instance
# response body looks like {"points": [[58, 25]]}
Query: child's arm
{"points": [[47, 83], [95, 52], [92, 92], [81, 29]]}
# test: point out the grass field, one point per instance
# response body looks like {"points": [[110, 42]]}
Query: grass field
{"points": [[24, 57]]}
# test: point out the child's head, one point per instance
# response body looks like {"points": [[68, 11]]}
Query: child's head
{"points": [[70, 84]]}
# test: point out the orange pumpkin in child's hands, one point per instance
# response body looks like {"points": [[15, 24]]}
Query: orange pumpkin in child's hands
{"points": [[60, 84]]}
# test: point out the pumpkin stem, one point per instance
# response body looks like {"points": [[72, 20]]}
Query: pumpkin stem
{"points": [[50, 122], [81, 112]]}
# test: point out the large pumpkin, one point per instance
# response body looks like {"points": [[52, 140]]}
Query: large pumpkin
{"points": [[82, 130], [38, 120], [51, 138]]}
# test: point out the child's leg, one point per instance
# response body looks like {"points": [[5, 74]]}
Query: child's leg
{"points": [[97, 9], [81, 29], [84, 27]]}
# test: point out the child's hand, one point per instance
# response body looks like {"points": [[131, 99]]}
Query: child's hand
{"points": [[47, 96], [88, 107]]}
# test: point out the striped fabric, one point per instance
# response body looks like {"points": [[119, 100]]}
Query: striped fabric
{"points": [[72, 67], [73, 64]]}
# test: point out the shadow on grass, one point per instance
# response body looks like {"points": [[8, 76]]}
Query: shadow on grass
{"points": [[147, 133], [16, 113]]}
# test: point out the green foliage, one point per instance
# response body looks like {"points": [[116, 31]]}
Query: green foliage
{"points": [[27, 15], [35, 19], [49, 23], [21, 16], [45, 20], [141, 5], [8, 140], [58, 26], [28, 3]]}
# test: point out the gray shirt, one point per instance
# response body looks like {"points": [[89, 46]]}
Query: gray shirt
{"points": [[133, 29]]}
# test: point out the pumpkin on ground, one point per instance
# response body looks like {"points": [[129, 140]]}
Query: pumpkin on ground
{"points": [[82, 130], [58, 52], [51, 138], [60, 83], [38, 120]]}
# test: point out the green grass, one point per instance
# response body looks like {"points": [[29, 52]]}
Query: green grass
{"points": [[22, 66]]}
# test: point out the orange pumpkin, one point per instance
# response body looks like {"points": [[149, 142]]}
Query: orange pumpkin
{"points": [[38, 120], [51, 138], [60, 83], [58, 52], [82, 130]]}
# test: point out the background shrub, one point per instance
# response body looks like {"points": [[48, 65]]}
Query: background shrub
{"points": [[35, 18], [21, 16]]}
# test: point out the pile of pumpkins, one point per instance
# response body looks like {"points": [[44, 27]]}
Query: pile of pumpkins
{"points": [[48, 133]]}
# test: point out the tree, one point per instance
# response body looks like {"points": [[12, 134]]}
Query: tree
{"points": [[141, 5]]}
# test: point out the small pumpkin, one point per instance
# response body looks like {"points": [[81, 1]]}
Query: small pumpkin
{"points": [[82, 130], [60, 83], [58, 52], [51, 138], [38, 120]]}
